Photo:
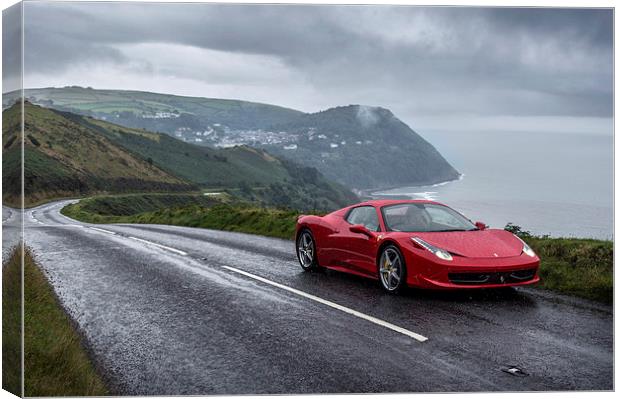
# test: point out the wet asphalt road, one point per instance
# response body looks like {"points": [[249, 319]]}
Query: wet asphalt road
{"points": [[162, 314]]}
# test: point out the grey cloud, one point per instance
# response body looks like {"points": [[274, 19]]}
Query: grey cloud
{"points": [[50, 51], [496, 61], [287, 31], [594, 26]]}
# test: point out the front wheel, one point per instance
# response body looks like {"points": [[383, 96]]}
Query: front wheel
{"points": [[306, 251], [392, 270]]}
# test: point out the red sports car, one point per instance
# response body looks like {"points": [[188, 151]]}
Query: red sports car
{"points": [[414, 243]]}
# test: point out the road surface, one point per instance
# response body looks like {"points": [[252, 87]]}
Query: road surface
{"points": [[175, 310]]}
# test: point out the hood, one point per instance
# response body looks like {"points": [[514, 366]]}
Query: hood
{"points": [[488, 243]]}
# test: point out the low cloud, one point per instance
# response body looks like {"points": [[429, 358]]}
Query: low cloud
{"points": [[367, 115]]}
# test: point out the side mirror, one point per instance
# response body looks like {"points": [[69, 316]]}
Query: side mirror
{"points": [[481, 226], [361, 229]]}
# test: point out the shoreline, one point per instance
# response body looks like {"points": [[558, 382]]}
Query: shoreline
{"points": [[367, 193]]}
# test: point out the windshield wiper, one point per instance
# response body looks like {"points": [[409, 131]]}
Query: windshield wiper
{"points": [[448, 230]]}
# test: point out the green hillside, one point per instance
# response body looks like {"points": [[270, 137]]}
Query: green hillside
{"points": [[63, 158], [202, 165], [127, 107], [70, 155], [251, 174]]}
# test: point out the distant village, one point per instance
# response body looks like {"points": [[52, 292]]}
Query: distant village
{"points": [[221, 136]]}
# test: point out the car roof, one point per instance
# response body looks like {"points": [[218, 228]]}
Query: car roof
{"points": [[380, 203], [384, 202]]}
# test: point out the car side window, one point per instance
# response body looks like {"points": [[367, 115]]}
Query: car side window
{"points": [[364, 215]]}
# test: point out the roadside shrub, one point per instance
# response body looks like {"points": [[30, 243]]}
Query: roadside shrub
{"points": [[575, 266]]}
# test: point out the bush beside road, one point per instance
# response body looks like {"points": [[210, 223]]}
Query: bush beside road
{"points": [[190, 211]]}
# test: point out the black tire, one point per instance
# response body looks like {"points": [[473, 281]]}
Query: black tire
{"points": [[306, 251], [396, 277]]}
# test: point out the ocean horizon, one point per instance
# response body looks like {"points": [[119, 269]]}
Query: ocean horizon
{"points": [[549, 184]]}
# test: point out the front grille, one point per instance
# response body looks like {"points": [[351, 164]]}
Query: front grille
{"points": [[516, 276]]}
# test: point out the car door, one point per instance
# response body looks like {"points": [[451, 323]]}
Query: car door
{"points": [[360, 248], [332, 247]]}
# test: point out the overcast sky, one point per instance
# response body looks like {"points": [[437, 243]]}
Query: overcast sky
{"points": [[435, 68]]}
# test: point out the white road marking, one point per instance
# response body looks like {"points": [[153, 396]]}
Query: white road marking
{"points": [[178, 251], [62, 225], [103, 230], [334, 305]]}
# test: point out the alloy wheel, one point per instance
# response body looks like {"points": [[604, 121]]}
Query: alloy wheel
{"points": [[305, 250], [390, 269]]}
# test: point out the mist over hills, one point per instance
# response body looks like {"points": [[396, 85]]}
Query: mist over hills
{"points": [[358, 146]]}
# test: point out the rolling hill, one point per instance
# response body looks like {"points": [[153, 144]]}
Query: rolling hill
{"points": [[340, 142], [62, 159], [154, 111], [72, 155], [253, 173]]}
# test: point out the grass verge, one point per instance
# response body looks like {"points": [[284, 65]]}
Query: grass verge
{"points": [[579, 267], [56, 363], [573, 266], [268, 222], [124, 208], [11, 325]]}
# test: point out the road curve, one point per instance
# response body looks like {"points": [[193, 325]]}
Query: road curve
{"points": [[176, 310]]}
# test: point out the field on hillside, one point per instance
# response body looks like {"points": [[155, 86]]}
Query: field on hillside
{"points": [[127, 104]]}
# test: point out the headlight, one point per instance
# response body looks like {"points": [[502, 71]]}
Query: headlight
{"points": [[526, 248], [528, 251], [440, 253]]}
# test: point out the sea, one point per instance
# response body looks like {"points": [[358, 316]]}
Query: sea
{"points": [[556, 184]]}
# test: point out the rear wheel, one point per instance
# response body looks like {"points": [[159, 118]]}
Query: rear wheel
{"points": [[392, 270], [306, 251]]}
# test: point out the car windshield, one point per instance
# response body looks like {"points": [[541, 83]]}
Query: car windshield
{"points": [[424, 217]]}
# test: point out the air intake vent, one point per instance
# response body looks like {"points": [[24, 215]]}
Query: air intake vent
{"points": [[515, 276]]}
